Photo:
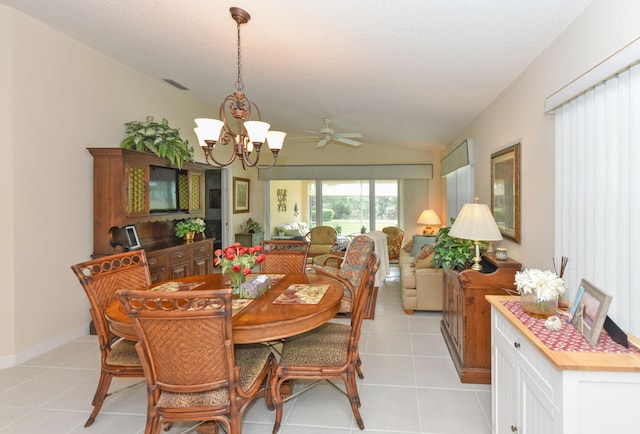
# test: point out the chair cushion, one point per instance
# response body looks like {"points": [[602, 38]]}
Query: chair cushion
{"points": [[250, 359], [123, 353], [324, 346]]}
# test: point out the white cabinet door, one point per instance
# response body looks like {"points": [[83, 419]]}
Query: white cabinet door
{"points": [[504, 378]]}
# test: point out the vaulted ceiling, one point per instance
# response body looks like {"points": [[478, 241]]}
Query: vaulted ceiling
{"points": [[404, 73]]}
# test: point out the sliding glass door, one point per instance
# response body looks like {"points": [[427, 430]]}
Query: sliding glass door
{"points": [[355, 206]]}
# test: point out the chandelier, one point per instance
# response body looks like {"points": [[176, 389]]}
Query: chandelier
{"points": [[236, 126]]}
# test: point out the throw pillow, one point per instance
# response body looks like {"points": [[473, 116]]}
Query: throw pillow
{"points": [[427, 249], [407, 247], [426, 262]]}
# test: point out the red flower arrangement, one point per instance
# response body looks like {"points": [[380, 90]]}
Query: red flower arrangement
{"points": [[236, 258]]}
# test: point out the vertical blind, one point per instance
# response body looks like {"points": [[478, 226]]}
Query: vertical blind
{"points": [[597, 197]]}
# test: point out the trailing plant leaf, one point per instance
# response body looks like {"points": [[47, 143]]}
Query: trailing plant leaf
{"points": [[158, 138]]}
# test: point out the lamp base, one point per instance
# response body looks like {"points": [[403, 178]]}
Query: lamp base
{"points": [[476, 259], [429, 231]]}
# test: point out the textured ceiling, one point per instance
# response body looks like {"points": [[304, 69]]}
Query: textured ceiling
{"points": [[408, 73]]}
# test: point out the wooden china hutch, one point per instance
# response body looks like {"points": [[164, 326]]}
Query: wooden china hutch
{"points": [[466, 321], [121, 198]]}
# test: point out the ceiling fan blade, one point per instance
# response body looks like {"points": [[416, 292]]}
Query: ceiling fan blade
{"points": [[312, 132], [322, 143], [350, 135], [347, 141]]}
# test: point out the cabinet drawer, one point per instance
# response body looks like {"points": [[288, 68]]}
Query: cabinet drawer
{"points": [[546, 377], [179, 255], [202, 250]]}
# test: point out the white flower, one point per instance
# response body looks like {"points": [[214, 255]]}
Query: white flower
{"points": [[545, 284]]}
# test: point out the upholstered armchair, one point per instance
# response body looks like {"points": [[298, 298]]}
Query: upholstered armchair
{"points": [[394, 241], [321, 240]]}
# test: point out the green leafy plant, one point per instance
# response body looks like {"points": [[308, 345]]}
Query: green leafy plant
{"points": [[183, 227], [252, 227], [451, 252], [158, 138]]}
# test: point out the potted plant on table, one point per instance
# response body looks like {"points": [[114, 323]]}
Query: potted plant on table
{"points": [[188, 228], [158, 138]]}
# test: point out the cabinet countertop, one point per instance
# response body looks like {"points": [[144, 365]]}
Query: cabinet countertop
{"points": [[569, 360]]}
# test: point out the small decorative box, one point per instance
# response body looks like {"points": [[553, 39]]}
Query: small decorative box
{"points": [[255, 287]]}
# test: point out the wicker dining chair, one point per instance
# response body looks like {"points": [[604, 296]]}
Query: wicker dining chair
{"points": [[284, 256], [351, 269], [327, 352], [192, 368], [101, 278]]}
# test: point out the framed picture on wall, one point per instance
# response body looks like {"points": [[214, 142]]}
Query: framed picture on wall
{"points": [[240, 195], [505, 191]]}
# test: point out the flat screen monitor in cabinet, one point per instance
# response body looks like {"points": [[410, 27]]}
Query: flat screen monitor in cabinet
{"points": [[164, 194]]}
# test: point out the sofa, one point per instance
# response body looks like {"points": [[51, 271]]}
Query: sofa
{"points": [[296, 229], [421, 284]]}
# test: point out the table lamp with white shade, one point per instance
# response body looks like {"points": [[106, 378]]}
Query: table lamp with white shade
{"points": [[429, 218], [476, 223]]}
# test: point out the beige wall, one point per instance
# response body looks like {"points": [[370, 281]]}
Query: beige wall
{"points": [[518, 116], [62, 97]]}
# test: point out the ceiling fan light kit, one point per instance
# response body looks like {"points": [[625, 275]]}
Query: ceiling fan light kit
{"points": [[236, 126]]}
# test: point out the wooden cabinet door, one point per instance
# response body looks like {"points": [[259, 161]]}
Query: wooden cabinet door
{"points": [[179, 270]]}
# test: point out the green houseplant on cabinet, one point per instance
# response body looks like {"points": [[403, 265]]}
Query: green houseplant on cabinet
{"points": [[450, 252], [158, 138]]}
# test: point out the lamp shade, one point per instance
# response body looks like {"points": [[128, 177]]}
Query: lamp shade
{"points": [[428, 217], [475, 222], [256, 130], [275, 139]]}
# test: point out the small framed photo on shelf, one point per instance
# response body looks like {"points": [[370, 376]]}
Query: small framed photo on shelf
{"points": [[589, 311], [132, 237]]}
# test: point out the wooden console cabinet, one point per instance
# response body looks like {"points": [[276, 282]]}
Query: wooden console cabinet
{"points": [[466, 322]]}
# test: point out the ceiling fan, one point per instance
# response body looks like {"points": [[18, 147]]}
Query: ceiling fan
{"points": [[327, 134]]}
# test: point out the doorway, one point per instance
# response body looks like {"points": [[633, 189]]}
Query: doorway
{"points": [[214, 198]]}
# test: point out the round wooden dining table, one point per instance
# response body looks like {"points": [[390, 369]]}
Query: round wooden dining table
{"points": [[261, 320]]}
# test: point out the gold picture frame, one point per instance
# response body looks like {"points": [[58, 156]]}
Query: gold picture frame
{"points": [[505, 191], [240, 195]]}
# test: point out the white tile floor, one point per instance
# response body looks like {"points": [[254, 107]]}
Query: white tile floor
{"points": [[410, 386]]}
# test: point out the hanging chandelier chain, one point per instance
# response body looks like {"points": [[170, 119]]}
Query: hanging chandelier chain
{"points": [[239, 83]]}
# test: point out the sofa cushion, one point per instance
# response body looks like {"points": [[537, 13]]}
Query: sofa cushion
{"points": [[419, 241], [408, 247], [425, 263], [426, 250], [295, 229]]}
